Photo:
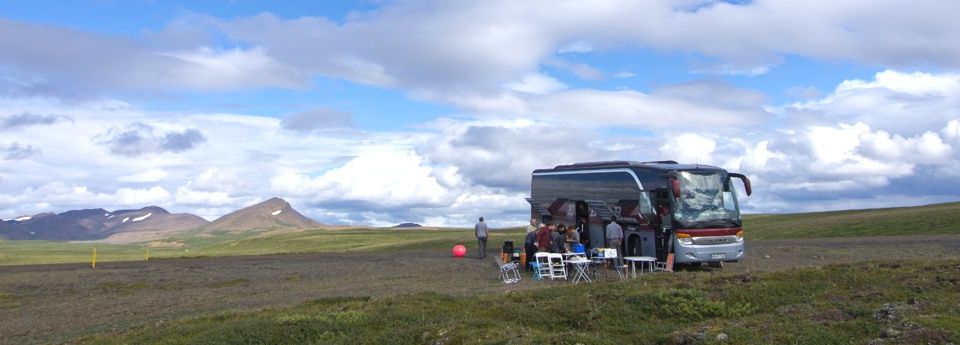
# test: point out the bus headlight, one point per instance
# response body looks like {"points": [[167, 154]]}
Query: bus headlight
{"points": [[740, 236], [684, 238]]}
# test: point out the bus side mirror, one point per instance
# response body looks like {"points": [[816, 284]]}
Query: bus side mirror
{"points": [[746, 182], [675, 186]]}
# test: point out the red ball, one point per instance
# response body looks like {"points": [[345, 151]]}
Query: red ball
{"points": [[459, 251]]}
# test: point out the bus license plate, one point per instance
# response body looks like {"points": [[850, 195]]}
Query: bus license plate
{"points": [[718, 256]]}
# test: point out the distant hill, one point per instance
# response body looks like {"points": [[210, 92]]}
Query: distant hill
{"points": [[4, 227], [51, 226], [149, 223], [408, 225], [97, 224], [269, 214]]}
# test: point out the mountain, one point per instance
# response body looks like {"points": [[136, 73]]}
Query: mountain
{"points": [[18, 220], [149, 223], [49, 226], [97, 224], [408, 225], [272, 213], [91, 219]]}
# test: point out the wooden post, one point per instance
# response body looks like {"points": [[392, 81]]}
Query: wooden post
{"points": [[93, 260], [147, 256]]}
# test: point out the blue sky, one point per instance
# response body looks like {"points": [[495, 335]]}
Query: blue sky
{"points": [[380, 112]]}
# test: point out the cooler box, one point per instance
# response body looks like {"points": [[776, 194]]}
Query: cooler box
{"points": [[609, 253], [579, 248]]}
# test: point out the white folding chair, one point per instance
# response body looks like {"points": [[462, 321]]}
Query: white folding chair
{"points": [[558, 266], [508, 271], [543, 261]]}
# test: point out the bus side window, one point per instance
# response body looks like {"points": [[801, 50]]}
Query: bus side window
{"points": [[728, 202], [646, 208]]}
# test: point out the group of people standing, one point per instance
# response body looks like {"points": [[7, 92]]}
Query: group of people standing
{"points": [[553, 238]]}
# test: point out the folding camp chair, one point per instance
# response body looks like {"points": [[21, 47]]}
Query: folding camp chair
{"points": [[543, 264], [666, 266], [536, 271], [558, 266], [508, 271]]}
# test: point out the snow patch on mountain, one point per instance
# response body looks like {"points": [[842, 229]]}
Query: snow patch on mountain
{"points": [[142, 217]]}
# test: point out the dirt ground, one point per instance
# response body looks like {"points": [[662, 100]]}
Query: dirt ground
{"points": [[57, 303]]}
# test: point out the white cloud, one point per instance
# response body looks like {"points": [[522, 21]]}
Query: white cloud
{"points": [[187, 196], [208, 69], [135, 197], [952, 131], [736, 69], [459, 48], [487, 59], [926, 148], [152, 175], [689, 148], [537, 84], [896, 102], [384, 178], [576, 47]]}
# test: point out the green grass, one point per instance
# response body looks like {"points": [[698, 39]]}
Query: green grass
{"points": [[839, 304], [923, 220], [225, 244]]}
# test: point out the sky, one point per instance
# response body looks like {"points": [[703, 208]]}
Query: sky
{"points": [[436, 112]]}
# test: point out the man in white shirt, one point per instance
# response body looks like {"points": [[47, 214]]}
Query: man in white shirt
{"points": [[614, 239]]}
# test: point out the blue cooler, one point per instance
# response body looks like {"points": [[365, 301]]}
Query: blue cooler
{"points": [[579, 248]]}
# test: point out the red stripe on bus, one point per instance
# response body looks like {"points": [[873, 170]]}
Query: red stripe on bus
{"points": [[709, 232]]}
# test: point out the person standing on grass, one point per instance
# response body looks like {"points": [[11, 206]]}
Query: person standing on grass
{"points": [[556, 239], [614, 238], [573, 237], [543, 238], [530, 242], [533, 225], [481, 231]]}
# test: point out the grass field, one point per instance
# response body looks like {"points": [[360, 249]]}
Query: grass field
{"points": [[47, 252], [904, 302], [924, 220]]}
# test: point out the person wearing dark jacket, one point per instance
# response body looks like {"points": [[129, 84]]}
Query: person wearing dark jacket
{"points": [[530, 246], [481, 231], [556, 240]]}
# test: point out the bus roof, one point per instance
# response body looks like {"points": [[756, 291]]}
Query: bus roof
{"points": [[657, 165]]}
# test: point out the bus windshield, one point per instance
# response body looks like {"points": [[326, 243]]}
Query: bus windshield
{"points": [[704, 203]]}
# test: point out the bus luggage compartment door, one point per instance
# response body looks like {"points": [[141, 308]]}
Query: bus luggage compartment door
{"points": [[642, 243], [648, 243], [597, 236]]}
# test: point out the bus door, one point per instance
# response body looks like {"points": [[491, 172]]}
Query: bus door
{"points": [[663, 206], [583, 222]]}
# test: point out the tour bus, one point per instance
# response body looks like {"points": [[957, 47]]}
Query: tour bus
{"points": [[689, 210]]}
